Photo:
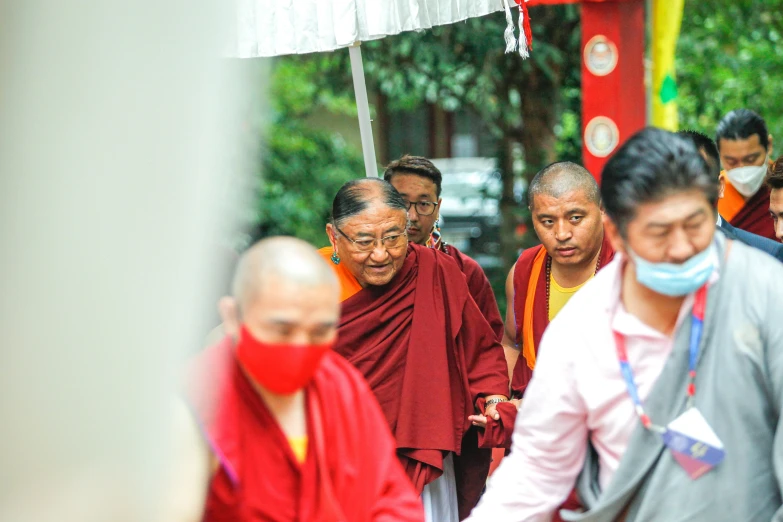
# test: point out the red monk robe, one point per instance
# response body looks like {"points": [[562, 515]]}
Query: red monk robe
{"points": [[350, 472], [530, 315], [429, 355], [479, 287], [531, 319], [751, 215]]}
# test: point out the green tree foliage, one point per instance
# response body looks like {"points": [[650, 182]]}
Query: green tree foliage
{"points": [[302, 167], [529, 105], [730, 55], [464, 65]]}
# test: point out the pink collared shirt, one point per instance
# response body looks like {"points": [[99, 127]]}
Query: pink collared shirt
{"points": [[577, 389]]}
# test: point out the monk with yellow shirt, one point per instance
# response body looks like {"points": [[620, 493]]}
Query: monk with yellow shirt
{"points": [[567, 217], [559, 296], [566, 207]]}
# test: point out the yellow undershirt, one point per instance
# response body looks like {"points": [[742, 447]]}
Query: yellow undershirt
{"points": [[299, 447], [559, 296]]}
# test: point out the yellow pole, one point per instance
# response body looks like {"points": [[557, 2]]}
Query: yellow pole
{"points": [[667, 18]]}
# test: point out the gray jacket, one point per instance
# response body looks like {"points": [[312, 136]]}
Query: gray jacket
{"points": [[739, 390], [764, 244]]}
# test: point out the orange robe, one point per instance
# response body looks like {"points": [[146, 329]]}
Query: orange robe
{"points": [[348, 283], [751, 215]]}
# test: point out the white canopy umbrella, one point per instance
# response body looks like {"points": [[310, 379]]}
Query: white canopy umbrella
{"points": [[279, 27]]}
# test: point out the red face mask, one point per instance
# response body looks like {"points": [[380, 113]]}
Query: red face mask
{"points": [[280, 368]]}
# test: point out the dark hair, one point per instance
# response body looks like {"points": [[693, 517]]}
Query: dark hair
{"points": [[355, 196], [414, 165], [705, 144], [561, 177], [650, 166], [741, 124], [775, 175]]}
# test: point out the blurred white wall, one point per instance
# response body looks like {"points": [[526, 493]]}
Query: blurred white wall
{"points": [[118, 126]]}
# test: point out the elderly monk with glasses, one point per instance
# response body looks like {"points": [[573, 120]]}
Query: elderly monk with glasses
{"points": [[410, 326]]}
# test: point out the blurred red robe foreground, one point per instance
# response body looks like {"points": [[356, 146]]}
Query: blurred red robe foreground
{"points": [[350, 473], [429, 355]]}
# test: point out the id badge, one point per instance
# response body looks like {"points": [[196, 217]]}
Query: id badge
{"points": [[693, 444]]}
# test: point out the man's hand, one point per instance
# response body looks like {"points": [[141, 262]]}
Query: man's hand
{"points": [[478, 420], [489, 412], [492, 411]]}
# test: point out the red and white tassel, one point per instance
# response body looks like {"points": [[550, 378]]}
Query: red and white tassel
{"points": [[525, 34], [511, 40], [528, 29], [523, 49]]}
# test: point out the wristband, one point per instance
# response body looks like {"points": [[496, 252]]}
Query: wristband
{"points": [[494, 401]]}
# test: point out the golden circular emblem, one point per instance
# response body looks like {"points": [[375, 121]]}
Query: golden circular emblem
{"points": [[600, 55], [601, 136]]}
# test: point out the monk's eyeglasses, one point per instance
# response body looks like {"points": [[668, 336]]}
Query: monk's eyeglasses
{"points": [[368, 245], [423, 208]]}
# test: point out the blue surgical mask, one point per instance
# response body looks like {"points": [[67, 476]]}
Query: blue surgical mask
{"points": [[672, 279]]}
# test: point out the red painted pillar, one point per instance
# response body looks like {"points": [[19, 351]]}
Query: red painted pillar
{"points": [[613, 93]]}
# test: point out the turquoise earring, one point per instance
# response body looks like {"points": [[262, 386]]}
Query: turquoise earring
{"points": [[335, 258]]}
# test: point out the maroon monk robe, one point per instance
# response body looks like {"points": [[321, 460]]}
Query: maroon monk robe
{"points": [[350, 472], [479, 288], [754, 216], [428, 354], [522, 272], [522, 372]]}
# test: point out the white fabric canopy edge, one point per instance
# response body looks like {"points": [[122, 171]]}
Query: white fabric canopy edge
{"points": [[267, 28]]}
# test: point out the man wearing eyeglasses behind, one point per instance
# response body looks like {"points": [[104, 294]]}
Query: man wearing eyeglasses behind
{"points": [[409, 325], [419, 183]]}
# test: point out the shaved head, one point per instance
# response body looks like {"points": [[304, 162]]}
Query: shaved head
{"points": [[565, 204], [561, 178], [282, 260]]}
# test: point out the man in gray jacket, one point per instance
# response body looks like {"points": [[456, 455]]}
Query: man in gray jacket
{"points": [[658, 388]]}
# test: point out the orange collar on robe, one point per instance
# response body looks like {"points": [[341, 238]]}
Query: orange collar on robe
{"points": [[349, 286], [751, 215], [350, 472], [731, 203], [530, 310]]}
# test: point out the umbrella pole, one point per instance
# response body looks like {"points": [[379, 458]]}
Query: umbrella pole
{"points": [[363, 108]]}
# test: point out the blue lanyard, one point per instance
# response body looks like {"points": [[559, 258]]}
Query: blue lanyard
{"points": [[697, 328]]}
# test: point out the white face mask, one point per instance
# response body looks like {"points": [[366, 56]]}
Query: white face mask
{"points": [[747, 180]]}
